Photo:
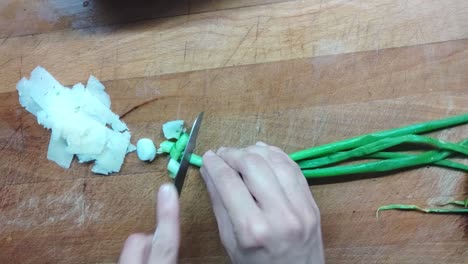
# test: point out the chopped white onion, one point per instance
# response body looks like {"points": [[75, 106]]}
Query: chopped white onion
{"points": [[79, 119], [173, 129], [146, 151]]}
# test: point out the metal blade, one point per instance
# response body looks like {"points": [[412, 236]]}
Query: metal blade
{"points": [[185, 161]]}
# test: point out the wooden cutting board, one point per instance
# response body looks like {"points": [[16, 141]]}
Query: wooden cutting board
{"points": [[294, 74]]}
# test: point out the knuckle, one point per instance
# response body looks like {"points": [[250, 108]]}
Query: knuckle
{"points": [[221, 170], [251, 159], [275, 149], [253, 149], [165, 246], [279, 158], [136, 240], [253, 233], [221, 150], [217, 169], [293, 228], [165, 251], [260, 232]]}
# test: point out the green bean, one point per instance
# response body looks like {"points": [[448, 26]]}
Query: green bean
{"points": [[179, 147], [166, 146], [442, 163], [380, 145], [411, 207], [196, 160], [372, 137], [377, 166], [460, 203]]}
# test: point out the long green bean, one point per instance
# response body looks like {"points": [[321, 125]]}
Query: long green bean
{"points": [[196, 160], [411, 207], [380, 145], [376, 166], [395, 162], [372, 137], [460, 203], [442, 163]]}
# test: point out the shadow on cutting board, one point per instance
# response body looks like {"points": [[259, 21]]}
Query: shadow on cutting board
{"points": [[124, 11], [370, 176]]}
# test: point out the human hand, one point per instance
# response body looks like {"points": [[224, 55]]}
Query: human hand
{"points": [[263, 206], [163, 246]]}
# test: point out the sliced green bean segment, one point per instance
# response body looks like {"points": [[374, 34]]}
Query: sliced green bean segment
{"points": [[173, 167], [380, 145], [166, 146], [372, 137], [178, 149], [410, 207]]}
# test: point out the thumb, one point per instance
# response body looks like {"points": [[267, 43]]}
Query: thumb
{"points": [[166, 238]]}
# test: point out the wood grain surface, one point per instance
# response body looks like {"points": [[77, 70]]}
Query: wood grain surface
{"points": [[294, 74]]}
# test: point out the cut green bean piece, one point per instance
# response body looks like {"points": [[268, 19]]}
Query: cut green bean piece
{"points": [[178, 149], [410, 207], [372, 137], [173, 167], [166, 146], [380, 145]]}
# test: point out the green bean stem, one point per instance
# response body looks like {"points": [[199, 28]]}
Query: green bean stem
{"points": [[369, 138], [380, 145]]}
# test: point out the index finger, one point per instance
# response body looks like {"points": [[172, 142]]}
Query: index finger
{"points": [[235, 196]]}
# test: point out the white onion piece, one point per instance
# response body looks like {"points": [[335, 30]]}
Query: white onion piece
{"points": [[79, 120], [173, 129], [146, 150]]}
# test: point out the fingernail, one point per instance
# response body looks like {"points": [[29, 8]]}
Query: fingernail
{"points": [[261, 144], [166, 191]]}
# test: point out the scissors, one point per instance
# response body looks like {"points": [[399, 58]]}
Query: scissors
{"points": [[185, 161]]}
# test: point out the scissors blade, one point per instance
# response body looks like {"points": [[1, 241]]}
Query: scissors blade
{"points": [[185, 161]]}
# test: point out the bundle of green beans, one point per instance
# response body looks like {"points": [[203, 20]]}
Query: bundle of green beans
{"points": [[318, 162]]}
